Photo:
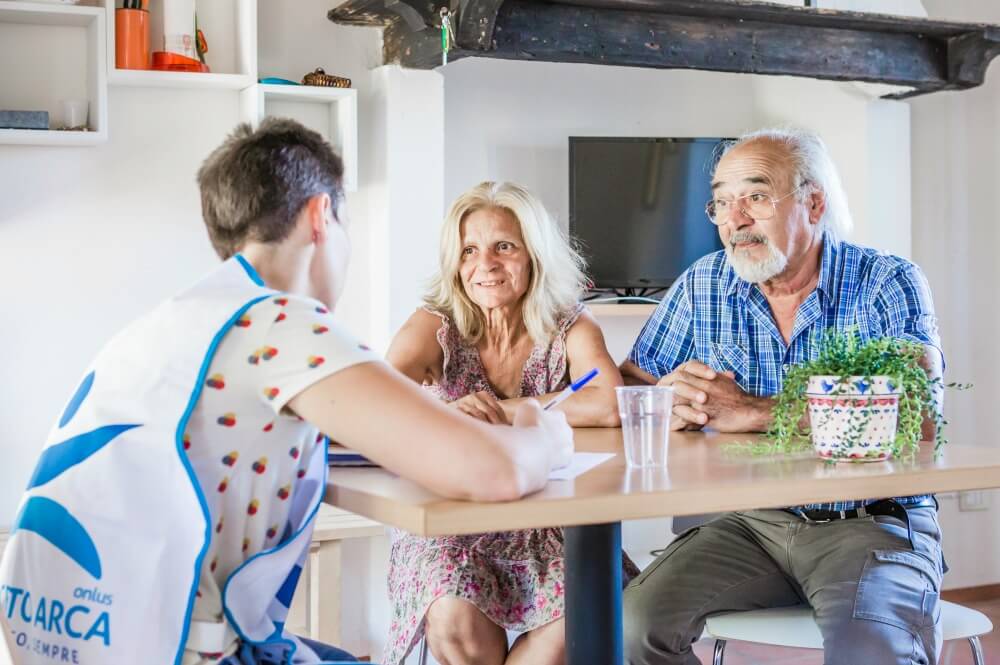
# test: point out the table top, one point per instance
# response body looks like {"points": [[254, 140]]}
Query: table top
{"points": [[700, 477]]}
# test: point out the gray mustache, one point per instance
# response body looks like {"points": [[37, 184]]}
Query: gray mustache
{"points": [[746, 236]]}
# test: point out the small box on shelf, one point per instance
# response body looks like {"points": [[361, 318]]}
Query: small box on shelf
{"points": [[24, 119]]}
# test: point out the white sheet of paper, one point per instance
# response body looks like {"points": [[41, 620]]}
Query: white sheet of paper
{"points": [[579, 465]]}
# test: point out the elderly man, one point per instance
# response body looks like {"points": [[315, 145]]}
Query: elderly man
{"points": [[723, 338]]}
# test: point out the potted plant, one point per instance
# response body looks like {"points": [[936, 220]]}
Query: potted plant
{"points": [[863, 401]]}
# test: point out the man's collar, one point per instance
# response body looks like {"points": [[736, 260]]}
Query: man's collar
{"points": [[827, 267], [827, 283]]}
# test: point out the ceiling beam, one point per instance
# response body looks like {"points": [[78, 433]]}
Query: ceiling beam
{"points": [[717, 35]]}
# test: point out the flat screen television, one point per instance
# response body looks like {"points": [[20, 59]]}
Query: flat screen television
{"points": [[637, 207]]}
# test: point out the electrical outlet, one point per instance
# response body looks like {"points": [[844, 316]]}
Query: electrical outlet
{"points": [[975, 500]]}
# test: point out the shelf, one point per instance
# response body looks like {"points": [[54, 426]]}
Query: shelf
{"points": [[614, 309], [34, 13], [230, 27], [307, 93], [333, 112], [50, 137], [71, 39], [140, 78]]}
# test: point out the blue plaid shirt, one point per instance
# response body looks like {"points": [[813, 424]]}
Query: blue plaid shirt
{"points": [[712, 315]]}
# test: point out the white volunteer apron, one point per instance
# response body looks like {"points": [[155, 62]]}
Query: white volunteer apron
{"points": [[106, 551]]}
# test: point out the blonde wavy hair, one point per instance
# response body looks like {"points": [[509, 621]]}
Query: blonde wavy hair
{"points": [[557, 269]]}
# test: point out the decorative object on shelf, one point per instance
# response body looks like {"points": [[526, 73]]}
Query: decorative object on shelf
{"points": [[321, 78], [200, 43], [274, 80], [179, 23], [132, 36], [24, 119], [75, 114], [172, 62], [183, 44], [866, 401]]}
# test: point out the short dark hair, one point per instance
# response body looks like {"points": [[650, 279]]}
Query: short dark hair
{"points": [[255, 184]]}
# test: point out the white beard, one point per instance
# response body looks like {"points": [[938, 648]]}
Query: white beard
{"points": [[754, 271]]}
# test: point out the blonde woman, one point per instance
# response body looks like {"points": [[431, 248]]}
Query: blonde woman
{"points": [[501, 324]]}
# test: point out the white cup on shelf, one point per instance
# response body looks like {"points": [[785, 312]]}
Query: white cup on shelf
{"points": [[75, 113]]}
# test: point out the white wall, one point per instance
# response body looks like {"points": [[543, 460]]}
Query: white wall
{"points": [[956, 176], [89, 239]]}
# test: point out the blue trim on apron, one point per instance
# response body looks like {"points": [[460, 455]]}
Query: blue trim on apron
{"points": [[305, 524], [251, 271], [179, 445]]}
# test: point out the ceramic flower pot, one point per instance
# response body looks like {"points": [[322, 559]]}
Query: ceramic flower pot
{"points": [[854, 419]]}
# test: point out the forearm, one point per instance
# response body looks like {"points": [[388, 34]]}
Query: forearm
{"points": [[633, 375], [588, 407], [762, 409], [757, 416]]}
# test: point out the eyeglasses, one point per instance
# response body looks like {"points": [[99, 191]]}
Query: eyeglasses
{"points": [[757, 206]]}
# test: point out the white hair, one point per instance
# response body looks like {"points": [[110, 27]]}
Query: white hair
{"points": [[755, 272], [812, 166], [557, 269]]}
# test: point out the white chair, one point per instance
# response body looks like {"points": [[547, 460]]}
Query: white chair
{"points": [[795, 627]]}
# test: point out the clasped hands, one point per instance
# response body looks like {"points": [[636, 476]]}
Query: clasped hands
{"points": [[706, 398]]}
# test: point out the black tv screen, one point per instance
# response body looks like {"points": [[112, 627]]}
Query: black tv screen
{"points": [[637, 207]]}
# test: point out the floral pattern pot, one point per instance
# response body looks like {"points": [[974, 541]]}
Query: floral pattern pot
{"points": [[853, 419]]}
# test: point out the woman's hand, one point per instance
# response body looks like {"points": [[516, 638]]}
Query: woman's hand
{"points": [[483, 406], [553, 424]]}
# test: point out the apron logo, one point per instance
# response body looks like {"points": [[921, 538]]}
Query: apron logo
{"points": [[48, 518], [51, 615]]}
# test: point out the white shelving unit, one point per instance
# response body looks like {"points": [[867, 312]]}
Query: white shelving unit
{"points": [[29, 82], [333, 112], [230, 27]]}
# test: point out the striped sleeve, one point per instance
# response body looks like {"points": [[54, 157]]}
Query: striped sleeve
{"points": [[903, 307]]}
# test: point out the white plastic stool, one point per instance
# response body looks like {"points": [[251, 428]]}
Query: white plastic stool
{"points": [[795, 627]]}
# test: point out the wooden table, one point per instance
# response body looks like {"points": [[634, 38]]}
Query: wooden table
{"points": [[699, 478]]}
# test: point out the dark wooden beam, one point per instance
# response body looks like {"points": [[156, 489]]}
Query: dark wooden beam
{"points": [[718, 35], [477, 22]]}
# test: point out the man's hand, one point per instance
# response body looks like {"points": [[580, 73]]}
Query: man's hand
{"points": [[684, 394], [706, 398]]}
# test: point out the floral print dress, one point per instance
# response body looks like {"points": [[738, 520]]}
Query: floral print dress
{"points": [[515, 578]]}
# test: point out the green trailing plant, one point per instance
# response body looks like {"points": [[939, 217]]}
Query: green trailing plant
{"points": [[843, 354]]}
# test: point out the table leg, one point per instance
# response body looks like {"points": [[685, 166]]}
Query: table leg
{"points": [[594, 594]]}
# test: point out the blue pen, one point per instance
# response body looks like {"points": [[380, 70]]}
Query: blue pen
{"points": [[571, 388]]}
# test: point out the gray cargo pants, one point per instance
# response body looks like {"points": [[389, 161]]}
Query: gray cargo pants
{"points": [[875, 596]]}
